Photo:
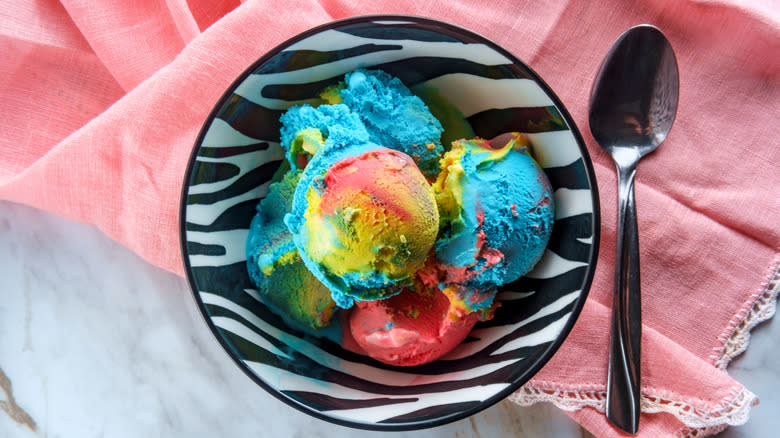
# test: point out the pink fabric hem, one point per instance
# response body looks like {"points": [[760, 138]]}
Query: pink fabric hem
{"points": [[760, 307]]}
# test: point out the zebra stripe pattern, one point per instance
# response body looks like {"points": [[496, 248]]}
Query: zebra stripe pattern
{"points": [[238, 152]]}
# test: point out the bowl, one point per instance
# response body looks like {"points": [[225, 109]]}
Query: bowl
{"points": [[237, 153]]}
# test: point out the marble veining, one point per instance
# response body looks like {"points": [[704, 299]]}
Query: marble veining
{"points": [[9, 405], [96, 342]]}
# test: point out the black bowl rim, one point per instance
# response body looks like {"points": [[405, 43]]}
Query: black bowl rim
{"points": [[551, 349]]}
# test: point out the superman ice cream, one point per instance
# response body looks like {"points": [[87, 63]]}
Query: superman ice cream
{"points": [[375, 219]]}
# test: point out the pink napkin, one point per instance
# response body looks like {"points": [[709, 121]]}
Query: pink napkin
{"points": [[102, 101]]}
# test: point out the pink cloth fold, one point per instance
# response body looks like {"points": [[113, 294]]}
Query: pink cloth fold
{"points": [[102, 101]]}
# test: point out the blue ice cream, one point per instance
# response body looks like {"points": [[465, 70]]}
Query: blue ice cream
{"points": [[497, 210], [394, 117], [307, 130], [369, 106]]}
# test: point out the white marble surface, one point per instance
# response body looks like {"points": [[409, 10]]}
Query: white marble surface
{"points": [[96, 342]]}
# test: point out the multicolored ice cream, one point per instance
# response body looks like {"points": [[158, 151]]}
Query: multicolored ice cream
{"points": [[275, 266], [375, 219], [363, 215], [364, 224], [414, 327], [497, 210]]}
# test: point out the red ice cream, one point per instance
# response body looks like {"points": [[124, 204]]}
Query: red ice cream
{"points": [[410, 328]]}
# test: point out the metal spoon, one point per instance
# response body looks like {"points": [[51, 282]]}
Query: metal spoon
{"points": [[632, 107]]}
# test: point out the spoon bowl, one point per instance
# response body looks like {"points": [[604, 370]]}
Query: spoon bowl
{"points": [[634, 98], [632, 108]]}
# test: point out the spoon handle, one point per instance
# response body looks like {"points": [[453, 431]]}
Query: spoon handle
{"points": [[623, 379]]}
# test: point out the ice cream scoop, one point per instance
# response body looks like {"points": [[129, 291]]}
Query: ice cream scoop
{"points": [[394, 117], [284, 283], [368, 106], [363, 216], [363, 219], [497, 211], [411, 328]]}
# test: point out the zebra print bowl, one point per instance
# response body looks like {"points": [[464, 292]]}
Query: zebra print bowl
{"points": [[237, 152]]}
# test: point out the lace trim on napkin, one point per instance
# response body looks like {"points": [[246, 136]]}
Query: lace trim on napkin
{"points": [[699, 423], [732, 412], [736, 337]]}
